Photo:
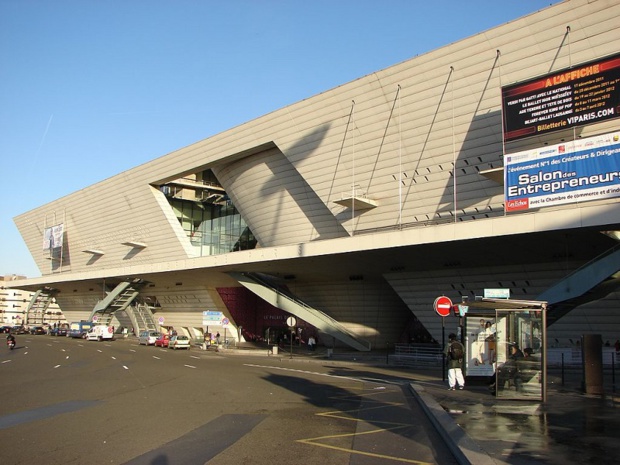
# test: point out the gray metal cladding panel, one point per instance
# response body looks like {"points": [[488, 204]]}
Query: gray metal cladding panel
{"points": [[276, 202]]}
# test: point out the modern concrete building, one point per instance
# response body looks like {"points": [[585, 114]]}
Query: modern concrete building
{"points": [[16, 305], [354, 209]]}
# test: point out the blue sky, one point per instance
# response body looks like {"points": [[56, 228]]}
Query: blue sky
{"points": [[91, 88]]}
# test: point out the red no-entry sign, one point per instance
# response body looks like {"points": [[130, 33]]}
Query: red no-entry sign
{"points": [[443, 305]]}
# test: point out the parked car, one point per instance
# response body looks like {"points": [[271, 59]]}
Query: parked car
{"points": [[162, 340], [59, 331], [36, 330], [5, 329], [179, 342], [18, 330], [148, 338]]}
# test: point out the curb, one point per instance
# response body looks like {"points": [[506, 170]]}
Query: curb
{"points": [[465, 450]]}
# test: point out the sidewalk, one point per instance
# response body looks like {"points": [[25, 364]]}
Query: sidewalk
{"points": [[571, 427]]}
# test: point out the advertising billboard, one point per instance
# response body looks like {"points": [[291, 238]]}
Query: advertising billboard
{"points": [[581, 170], [583, 94]]}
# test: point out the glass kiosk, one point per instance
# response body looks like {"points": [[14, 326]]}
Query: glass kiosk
{"points": [[505, 342]]}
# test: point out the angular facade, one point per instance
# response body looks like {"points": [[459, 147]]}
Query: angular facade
{"points": [[355, 208]]}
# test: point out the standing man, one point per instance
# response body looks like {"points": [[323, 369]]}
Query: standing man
{"points": [[455, 353]]}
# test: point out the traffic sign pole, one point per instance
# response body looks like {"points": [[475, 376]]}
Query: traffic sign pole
{"points": [[443, 306]]}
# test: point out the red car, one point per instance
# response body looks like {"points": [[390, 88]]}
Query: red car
{"points": [[162, 341]]}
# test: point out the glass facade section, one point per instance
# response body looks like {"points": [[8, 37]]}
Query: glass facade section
{"points": [[213, 229]]}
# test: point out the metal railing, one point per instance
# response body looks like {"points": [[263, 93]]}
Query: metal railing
{"points": [[416, 355]]}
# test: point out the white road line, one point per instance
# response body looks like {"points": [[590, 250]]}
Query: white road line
{"points": [[131, 350], [56, 366], [6, 361], [125, 367], [316, 373], [189, 366], [156, 357], [193, 356], [67, 357], [113, 358]]}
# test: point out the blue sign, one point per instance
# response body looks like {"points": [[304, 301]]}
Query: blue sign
{"points": [[576, 171]]}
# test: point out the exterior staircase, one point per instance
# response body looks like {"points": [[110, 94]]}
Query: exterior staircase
{"points": [[123, 302], [39, 303]]}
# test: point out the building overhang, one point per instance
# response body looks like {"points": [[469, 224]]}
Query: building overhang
{"points": [[375, 252]]}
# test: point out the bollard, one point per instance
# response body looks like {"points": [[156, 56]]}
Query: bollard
{"points": [[592, 356], [613, 372]]}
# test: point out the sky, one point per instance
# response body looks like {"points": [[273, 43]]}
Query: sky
{"points": [[91, 88]]}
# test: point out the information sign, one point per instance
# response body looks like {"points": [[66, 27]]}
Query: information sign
{"points": [[210, 318]]}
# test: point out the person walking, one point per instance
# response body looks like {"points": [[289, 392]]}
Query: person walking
{"points": [[455, 353]]}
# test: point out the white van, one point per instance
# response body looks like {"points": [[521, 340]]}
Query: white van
{"points": [[99, 333], [148, 337]]}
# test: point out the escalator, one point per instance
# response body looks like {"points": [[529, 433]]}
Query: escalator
{"points": [[265, 287]]}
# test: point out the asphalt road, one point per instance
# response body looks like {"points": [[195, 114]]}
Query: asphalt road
{"points": [[68, 401]]}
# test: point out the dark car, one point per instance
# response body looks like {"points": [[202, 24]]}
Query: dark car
{"points": [[59, 331], [18, 330], [36, 330], [5, 329]]}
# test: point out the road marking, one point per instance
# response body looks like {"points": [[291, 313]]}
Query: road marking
{"points": [[316, 373], [125, 367], [6, 361], [189, 366], [156, 357], [346, 415], [131, 350], [193, 356], [113, 358], [67, 357], [99, 350], [57, 366], [300, 371], [389, 426], [359, 452]]}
